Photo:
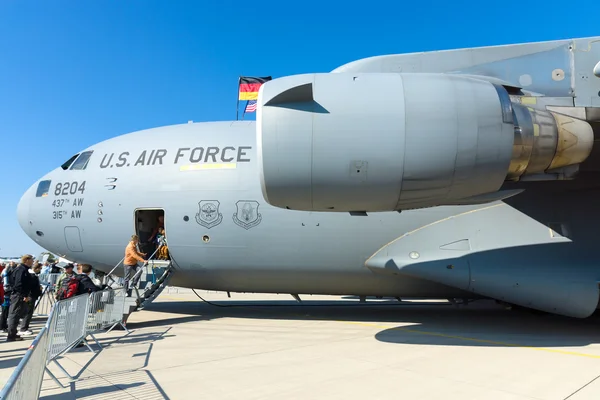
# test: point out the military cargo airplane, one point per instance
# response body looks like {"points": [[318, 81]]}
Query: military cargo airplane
{"points": [[468, 173]]}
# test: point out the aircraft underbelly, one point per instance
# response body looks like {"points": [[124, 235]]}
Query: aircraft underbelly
{"points": [[314, 282], [497, 252]]}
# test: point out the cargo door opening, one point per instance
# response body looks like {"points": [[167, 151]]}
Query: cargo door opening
{"points": [[150, 228]]}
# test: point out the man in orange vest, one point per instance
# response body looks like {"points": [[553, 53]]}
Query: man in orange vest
{"points": [[132, 256]]}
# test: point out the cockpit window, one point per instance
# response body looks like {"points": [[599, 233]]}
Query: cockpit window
{"points": [[82, 161], [43, 188], [68, 163]]}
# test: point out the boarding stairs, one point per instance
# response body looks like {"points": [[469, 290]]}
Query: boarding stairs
{"points": [[154, 277]]}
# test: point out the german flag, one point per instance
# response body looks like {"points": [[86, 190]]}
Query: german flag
{"points": [[249, 87]]}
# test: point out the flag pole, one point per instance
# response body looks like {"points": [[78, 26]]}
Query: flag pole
{"points": [[237, 109], [244, 113]]}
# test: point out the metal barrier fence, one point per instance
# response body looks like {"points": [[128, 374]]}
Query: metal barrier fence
{"points": [[105, 310], [67, 325], [26, 382], [70, 322], [48, 279], [45, 303]]}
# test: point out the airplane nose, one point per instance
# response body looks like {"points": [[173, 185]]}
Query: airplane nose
{"points": [[23, 211]]}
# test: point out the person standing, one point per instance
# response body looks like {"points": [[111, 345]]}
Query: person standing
{"points": [[35, 293], [67, 274], [2, 266], [3, 301], [6, 283], [46, 268], [54, 268], [21, 281], [86, 283], [132, 256]]}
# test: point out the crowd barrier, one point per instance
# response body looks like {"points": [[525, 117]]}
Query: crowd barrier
{"points": [[26, 380], [105, 311], [70, 322], [48, 279], [44, 304]]}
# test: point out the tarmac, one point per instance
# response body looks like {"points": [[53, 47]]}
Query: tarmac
{"points": [[257, 346]]}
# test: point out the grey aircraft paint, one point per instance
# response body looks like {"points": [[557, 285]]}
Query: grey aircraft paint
{"points": [[528, 240]]}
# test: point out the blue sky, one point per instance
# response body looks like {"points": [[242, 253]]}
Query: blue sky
{"points": [[73, 73]]}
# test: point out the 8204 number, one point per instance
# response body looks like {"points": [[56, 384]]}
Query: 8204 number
{"points": [[67, 188]]}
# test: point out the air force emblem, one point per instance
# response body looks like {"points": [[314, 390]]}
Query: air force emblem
{"points": [[208, 215], [247, 215]]}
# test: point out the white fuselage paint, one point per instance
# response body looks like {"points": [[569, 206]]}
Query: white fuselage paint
{"points": [[252, 248]]}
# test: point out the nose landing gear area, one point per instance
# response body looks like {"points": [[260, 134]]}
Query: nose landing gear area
{"points": [[271, 346]]}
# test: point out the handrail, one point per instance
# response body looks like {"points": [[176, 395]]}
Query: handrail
{"points": [[139, 272], [160, 280], [109, 275]]}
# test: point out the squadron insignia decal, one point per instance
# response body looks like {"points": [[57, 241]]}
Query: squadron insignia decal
{"points": [[208, 214], [247, 215]]}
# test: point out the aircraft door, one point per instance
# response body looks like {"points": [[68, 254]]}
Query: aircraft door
{"points": [[73, 239], [150, 228]]}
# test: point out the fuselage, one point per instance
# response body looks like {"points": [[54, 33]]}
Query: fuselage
{"points": [[222, 235]]}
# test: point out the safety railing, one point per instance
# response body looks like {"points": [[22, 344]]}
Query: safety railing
{"points": [[70, 322], [44, 304], [67, 325], [26, 380], [109, 277], [139, 271], [48, 279], [105, 310]]}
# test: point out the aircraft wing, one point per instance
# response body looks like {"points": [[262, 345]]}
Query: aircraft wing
{"points": [[560, 68]]}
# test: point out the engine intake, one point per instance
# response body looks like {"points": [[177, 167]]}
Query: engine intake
{"points": [[383, 142]]}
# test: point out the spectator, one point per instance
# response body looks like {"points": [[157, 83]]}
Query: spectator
{"points": [[68, 273], [7, 288], [46, 268], [55, 269], [21, 281], [35, 294], [4, 311], [86, 284], [2, 266]]}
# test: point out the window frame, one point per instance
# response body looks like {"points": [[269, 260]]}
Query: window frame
{"points": [[87, 154], [65, 166], [47, 190]]}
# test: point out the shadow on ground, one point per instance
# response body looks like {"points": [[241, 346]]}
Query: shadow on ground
{"points": [[482, 323], [99, 392]]}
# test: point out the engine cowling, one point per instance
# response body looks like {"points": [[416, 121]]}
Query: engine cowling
{"points": [[382, 142]]}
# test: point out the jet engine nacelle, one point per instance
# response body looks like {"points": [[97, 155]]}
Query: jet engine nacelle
{"points": [[382, 142]]}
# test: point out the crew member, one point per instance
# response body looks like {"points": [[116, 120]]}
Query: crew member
{"points": [[160, 226], [132, 256], [163, 249]]}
